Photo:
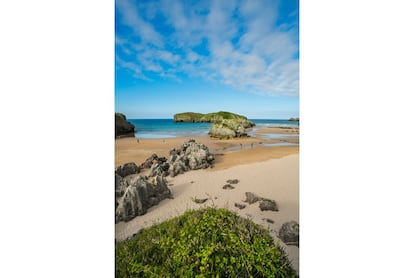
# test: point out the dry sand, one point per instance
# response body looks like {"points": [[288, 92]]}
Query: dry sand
{"points": [[270, 172]]}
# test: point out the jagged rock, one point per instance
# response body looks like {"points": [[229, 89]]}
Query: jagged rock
{"points": [[266, 204], [140, 195], [159, 169], [190, 156], [229, 128], [289, 233], [123, 128], [252, 198], [240, 206], [127, 169], [228, 186], [120, 186], [153, 159]]}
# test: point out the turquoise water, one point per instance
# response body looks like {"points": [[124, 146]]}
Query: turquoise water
{"points": [[167, 128]]}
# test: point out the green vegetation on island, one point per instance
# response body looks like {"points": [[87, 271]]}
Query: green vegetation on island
{"points": [[203, 243], [294, 119], [207, 118]]}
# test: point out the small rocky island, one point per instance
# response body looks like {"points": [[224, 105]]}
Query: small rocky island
{"points": [[123, 128], [224, 125]]}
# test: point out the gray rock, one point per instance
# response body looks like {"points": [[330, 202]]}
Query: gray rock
{"points": [[120, 186], [229, 128], [289, 233], [190, 156], [140, 195], [235, 181], [153, 159], [252, 198], [228, 186], [268, 220], [240, 206], [159, 169], [127, 169], [266, 204], [200, 201]]}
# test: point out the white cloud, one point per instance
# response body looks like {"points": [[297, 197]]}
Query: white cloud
{"points": [[233, 42]]}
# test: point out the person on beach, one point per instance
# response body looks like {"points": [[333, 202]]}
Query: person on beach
{"points": [[138, 140]]}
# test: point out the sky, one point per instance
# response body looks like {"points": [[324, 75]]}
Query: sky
{"points": [[207, 56]]}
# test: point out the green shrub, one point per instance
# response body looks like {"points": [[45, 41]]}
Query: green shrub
{"points": [[203, 243]]}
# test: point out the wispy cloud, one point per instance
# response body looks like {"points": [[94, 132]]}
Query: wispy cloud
{"points": [[234, 42]]}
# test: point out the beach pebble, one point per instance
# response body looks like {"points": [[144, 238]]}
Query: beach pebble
{"points": [[240, 206], [268, 220], [267, 204], [235, 181], [252, 198], [228, 186], [199, 201]]}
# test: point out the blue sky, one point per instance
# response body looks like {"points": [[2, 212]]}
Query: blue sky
{"points": [[207, 56]]}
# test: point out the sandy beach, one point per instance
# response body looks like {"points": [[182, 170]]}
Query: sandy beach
{"points": [[265, 165]]}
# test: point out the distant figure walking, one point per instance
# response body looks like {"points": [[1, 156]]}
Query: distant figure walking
{"points": [[241, 146], [138, 140], [251, 145]]}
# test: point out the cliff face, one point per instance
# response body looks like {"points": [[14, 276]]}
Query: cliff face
{"points": [[123, 128]]}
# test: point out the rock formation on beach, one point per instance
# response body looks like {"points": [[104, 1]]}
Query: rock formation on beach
{"points": [[227, 129], [123, 128], [190, 156], [140, 194], [134, 194]]}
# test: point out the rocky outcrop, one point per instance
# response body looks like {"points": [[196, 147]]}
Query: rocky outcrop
{"points": [[127, 169], [229, 128], [123, 128], [289, 233], [134, 194], [190, 156], [140, 194]]}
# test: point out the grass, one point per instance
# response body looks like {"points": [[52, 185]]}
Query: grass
{"points": [[208, 242]]}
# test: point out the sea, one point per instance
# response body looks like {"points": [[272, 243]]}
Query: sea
{"points": [[167, 128]]}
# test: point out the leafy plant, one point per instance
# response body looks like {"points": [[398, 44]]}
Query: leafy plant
{"points": [[203, 243]]}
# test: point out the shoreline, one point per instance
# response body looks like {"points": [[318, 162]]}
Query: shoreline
{"points": [[228, 153]]}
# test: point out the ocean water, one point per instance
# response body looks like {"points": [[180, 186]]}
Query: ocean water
{"points": [[167, 128]]}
